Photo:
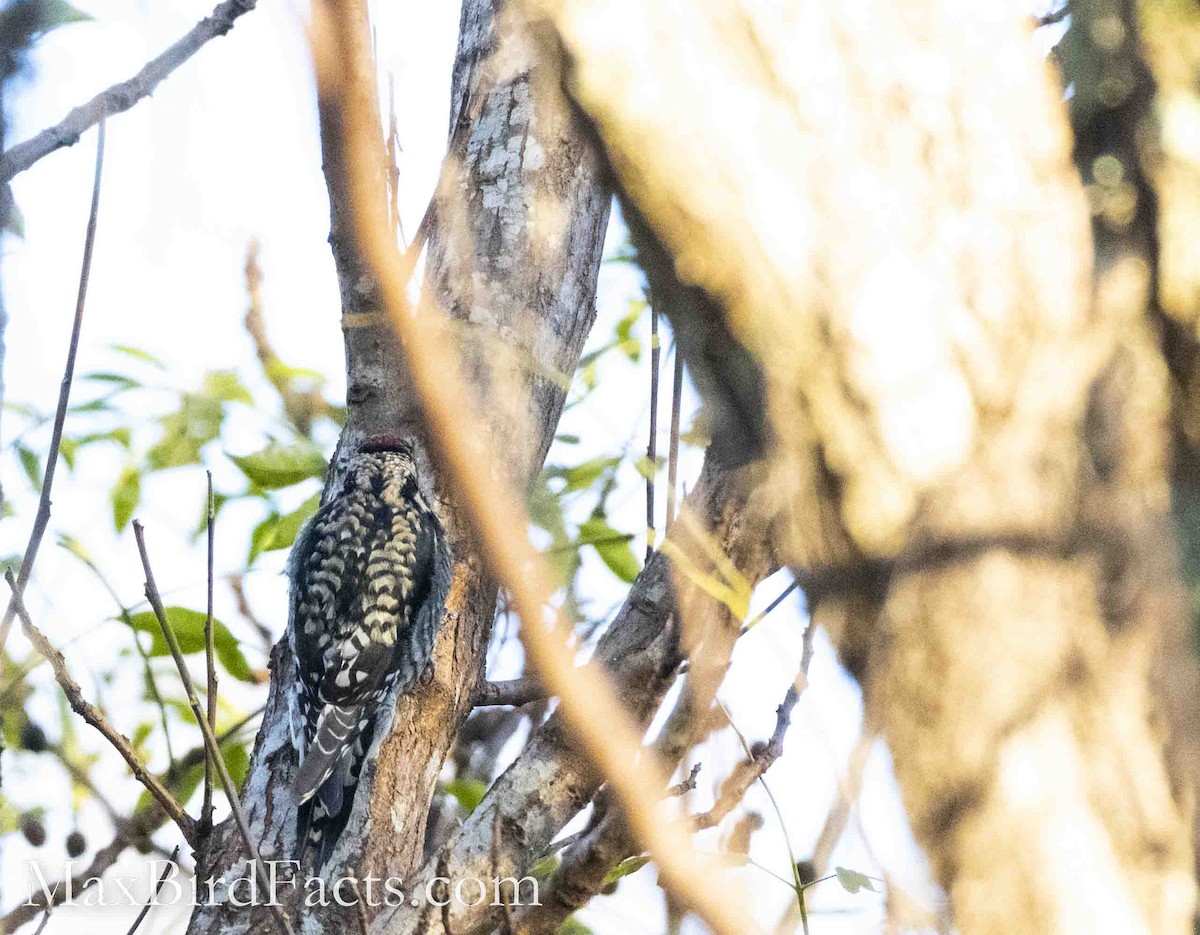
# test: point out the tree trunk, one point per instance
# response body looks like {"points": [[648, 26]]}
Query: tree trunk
{"points": [[522, 291], [968, 440]]}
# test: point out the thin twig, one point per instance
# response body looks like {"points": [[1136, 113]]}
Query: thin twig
{"points": [[237, 584], [762, 756], [688, 785], [94, 717], [652, 443], [210, 740], [162, 879], [673, 453], [758, 618], [42, 520], [206, 810], [121, 97]]}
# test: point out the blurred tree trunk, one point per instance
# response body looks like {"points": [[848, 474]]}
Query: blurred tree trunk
{"points": [[969, 432]]}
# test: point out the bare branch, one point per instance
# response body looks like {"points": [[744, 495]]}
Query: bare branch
{"points": [[516, 692], [762, 758], [210, 740], [42, 519], [121, 97], [688, 784], [94, 717]]}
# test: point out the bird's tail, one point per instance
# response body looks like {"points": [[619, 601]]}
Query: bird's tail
{"points": [[331, 764], [333, 740]]}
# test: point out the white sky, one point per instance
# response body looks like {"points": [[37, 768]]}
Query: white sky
{"points": [[226, 151]]}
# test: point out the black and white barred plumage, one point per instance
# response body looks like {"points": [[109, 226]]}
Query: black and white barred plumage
{"points": [[369, 575]]}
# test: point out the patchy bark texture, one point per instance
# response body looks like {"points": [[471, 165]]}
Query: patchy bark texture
{"points": [[888, 217], [522, 214]]}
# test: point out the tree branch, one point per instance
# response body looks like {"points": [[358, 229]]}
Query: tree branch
{"points": [[120, 97], [94, 717], [515, 692]]}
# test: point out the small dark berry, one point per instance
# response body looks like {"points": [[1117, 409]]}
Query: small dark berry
{"points": [[76, 844], [33, 738], [33, 829]]}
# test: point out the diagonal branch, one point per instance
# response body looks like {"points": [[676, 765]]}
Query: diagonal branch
{"points": [[93, 716], [121, 97]]}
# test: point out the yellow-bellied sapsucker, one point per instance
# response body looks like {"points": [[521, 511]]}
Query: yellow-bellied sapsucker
{"points": [[369, 575]]}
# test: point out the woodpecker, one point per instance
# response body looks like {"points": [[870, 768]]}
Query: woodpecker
{"points": [[369, 575]]}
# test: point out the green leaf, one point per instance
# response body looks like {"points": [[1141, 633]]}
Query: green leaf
{"points": [[140, 735], [469, 792], [572, 926], [75, 547], [31, 464], [567, 439], [852, 881], [55, 13], [625, 868], [188, 626], [186, 432], [545, 510], [626, 343], [10, 816], [612, 546], [237, 761], [95, 405], [126, 494], [138, 354], [279, 531], [67, 447], [279, 372], [121, 436], [282, 465], [229, 654], [225, 385], [261, 537], [582, 476], [119, 380]]}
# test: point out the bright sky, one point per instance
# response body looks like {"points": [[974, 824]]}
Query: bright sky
{"points": [[226, 151]]}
